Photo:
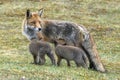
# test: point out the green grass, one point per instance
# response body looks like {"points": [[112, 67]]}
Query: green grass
{"points": [[101, 18]]}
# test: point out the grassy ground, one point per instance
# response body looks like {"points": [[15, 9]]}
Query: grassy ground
{"points": [[101, 18]]}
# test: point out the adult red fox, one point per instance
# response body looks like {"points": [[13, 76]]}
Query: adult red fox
{"points": [[63, 32]]}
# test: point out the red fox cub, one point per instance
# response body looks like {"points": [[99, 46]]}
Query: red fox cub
{"points": [[69, 32], [71, 53], [39, 49]]}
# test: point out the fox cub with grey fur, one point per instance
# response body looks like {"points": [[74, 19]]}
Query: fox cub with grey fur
{"points": [[39, 49], [71, 53]]}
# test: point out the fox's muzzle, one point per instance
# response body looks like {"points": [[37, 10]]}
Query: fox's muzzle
{"points": [[38, 29]]}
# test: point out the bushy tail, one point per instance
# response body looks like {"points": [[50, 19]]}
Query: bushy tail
{"points": [[89, 47]]}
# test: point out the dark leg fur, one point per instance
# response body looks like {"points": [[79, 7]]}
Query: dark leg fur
{"points": [[91, 65], [83, 65], [52, 58], [42, 60], [59, 60], [36, 59], [68, 63], [77, 64]]}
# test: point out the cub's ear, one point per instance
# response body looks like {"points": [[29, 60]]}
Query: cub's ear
{"points": [[28, 14], [40, 12]]}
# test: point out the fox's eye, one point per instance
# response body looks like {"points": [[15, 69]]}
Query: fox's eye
{"points": [[39, 21], [33, 22]]}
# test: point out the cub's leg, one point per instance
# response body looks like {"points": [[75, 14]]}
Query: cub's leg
{"points": [[42, 60], [68, 62], [80, 62], [52, 58], [59, 60], [77, 64], [36, 59], [83, 64]]}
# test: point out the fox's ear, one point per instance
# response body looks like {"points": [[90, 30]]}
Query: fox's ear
{"points": [[40, 12], [28, 14]]}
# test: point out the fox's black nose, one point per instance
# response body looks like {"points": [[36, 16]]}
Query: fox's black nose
{"points": [[39, 29]]}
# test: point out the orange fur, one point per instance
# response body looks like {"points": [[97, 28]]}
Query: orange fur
{"points": [[35, 20]]}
